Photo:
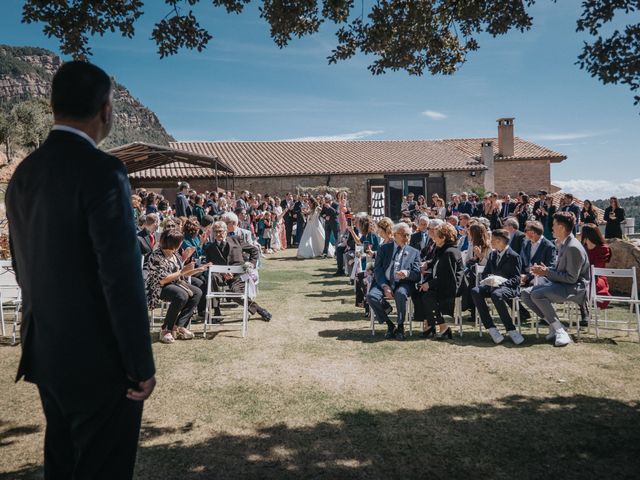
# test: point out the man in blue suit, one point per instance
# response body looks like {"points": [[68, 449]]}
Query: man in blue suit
{"points": [[396, 271], [536, 249], [506, 263]]}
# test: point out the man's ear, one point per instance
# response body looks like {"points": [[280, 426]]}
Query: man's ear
{"points": [[106, 113]]}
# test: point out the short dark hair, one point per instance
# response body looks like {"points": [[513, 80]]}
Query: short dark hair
{"points": [[501, 234], [534, 226], [567, 219], [170, 239], [79, 90], [207, 220]]}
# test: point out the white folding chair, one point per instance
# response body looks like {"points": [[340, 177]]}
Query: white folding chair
{"points": [[632, 299], [408, 316], [213, 295], [10, 297]]}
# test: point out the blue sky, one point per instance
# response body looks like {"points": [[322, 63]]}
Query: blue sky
{"points": [[242, 87]]}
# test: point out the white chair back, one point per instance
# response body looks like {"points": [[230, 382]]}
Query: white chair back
{"points": [[631, 299], [212, 294]]}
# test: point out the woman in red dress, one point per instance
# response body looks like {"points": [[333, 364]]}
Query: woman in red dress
{"points": [[599, 255]]}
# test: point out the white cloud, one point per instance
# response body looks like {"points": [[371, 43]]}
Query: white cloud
{"points": [[568, 136], [336, 138], [599, 189], [433, 115]]}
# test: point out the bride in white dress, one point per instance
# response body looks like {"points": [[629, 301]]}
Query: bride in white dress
{"points": [[312, 240]]}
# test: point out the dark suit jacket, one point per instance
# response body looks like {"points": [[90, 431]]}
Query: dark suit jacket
{"points": [[509, 267], [231, 252], [466, 207], [517, 240], [507, 209], [546, 254], [331, 212], [416, 240], [182, 206], [410, 261], [85, 325], [144, 242]]}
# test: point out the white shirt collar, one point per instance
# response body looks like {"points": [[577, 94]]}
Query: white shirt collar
{"points": [[66, 128]]}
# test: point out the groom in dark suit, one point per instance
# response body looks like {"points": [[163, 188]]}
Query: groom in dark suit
{"points": [[396, 271], [329, 212], [85, 328]]}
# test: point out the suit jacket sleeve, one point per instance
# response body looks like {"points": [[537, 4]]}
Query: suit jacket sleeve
{"points": [[574, 261], [512, 271], [252, 250], [414, 268], [379, 269], [113, 237]]}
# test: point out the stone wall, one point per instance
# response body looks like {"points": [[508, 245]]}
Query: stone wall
{"points": [[512, 176]]}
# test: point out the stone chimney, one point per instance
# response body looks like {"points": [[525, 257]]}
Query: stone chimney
{"points": [[505, 137], [488, 161]]}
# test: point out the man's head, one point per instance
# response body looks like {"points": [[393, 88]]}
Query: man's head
{"points": [[507, 198], [241, 214], [81, 97], [511, 224], [563, 223], [453, 220], [328, 198], [220, 231], [231, 221], [423, 223], [542, 194], [433, 225], [464, 220], [568, 198], [151, 222], [464, 196], [499, 239], [401, 233], [183, 187], [533, 230]]}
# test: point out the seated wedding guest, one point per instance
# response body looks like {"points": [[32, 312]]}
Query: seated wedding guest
{"points": [[588, 214], [420, 239], [166, 280], [198, 208], [536, 249], [599, 255], [146, 235], [491, 211], [503, 262], [228, 250], [193, 237], [396, 271], [441, 209], [384, 226], [231, 220], [428, 250], [516, 237], [411, 206], [438, 289], [566, 282], [463, 231], [453, 206], [614, 216], [370, 244]]}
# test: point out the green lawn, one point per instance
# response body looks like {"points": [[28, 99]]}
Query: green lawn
{"points": [[313, 395]]}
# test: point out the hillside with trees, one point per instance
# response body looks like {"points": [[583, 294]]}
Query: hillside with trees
{"points": [[631, 207]]}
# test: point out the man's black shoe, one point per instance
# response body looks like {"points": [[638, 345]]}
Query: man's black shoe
{"points": [[400, 335], [339, 273], [266, 316], [524, 314], [391, 333]]}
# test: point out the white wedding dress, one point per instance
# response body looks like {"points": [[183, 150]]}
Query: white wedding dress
{"points": [[312, 240]]}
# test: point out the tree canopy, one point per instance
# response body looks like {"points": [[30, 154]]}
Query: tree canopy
{"points": [[417, 36]]}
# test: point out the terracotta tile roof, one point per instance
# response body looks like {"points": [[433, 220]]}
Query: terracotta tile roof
{"points": [[522, 149], [250, 159], [176, 170]]}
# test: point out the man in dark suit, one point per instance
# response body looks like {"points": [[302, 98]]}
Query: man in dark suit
{"points": [[516, 237], [421, 239], [183, 209], [465, 205], [502, 262], [329, 212], [298, 217], [146, 235], [538, 206], [225, 250], [507, 207], [571, 206], [85, 329], [396, 271]]}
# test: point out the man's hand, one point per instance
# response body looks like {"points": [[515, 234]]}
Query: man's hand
{"points": [[143, 391], [388, 293], [424, 287], [540, 270], [227, 276], [401, 275]]}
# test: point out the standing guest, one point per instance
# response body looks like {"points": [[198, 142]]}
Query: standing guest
{"points": [[331, 225], [566, 282], [298, 218], [523, 211], [570, 205], [465, 205], [343, 210], [539, 205], [507, 208], [182, 203], [411, 206], [439, 288], [136, 203], [599, 255], [281, 228], [547, 213], [453, 206], [85, 329], [614, 216], [420, 239], [226, 250], [146, 235], [588, 214], [150, 203], [516, 237], [243, 201], [198, 208], [396, 271], [463, 230], [491, 211], [267, 233], [166, 280], [441, 209], [503, 262]]}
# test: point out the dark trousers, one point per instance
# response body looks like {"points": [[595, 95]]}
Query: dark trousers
{"points": [[340, 250], [181, 305], [375, 298], [299, 229], [200, 281], [234, 285], [499, 296], [360, 289], [98, 442], [432, 308], [329, 228], [288, 229]]}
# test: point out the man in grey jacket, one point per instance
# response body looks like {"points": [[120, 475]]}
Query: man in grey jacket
{"points": [[568, 281]]}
